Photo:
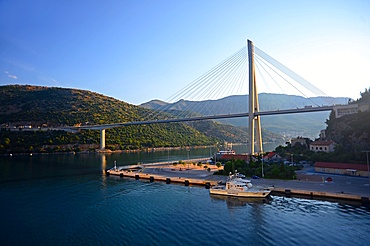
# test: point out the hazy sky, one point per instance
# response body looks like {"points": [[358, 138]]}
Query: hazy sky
{"points": [[140, 50]]}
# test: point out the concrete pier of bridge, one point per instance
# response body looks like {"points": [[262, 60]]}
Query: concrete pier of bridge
{"points": [[102, 139]]}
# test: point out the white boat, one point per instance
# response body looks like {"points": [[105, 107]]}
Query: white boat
{"points": [[220, 154], [122, 169], [239, 187], [226, 152]]}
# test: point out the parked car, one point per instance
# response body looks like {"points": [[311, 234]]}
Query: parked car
{"points": [[255, 177], [239, 175], [329, 179]]}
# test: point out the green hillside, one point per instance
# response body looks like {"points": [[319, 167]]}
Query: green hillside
{"points": [[351, 132], [37, 107], [62, 106], [57, 107]]}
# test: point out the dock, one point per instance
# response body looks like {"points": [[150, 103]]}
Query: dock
{"points": [[187, 174], [341, 188], [152, 177], [316, 194]]}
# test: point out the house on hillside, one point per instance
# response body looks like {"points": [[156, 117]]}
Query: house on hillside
{"points": [[323, 146], [322, 134], [342, 168], [272, 157], [341, 110], [299, 141]]}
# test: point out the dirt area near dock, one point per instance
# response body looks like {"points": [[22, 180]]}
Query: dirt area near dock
{"points": [[181, 167]]}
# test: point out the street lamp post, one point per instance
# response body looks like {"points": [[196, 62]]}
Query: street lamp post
{"points": [[188, 158], [263, 175], [292, 159], [216, 152], [367, 162]]}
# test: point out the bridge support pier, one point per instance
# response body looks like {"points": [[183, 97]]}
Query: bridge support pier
{"points": [[254, 120], [102, 139]]}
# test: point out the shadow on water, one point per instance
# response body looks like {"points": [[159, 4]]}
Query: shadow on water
{"points": [[28, 168], [240, 201]]}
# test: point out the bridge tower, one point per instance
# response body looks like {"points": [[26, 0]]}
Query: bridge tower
{"points": [[254, 120], [102, 139]]}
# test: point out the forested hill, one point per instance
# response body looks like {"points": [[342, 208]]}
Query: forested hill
{"points": [[62, 106], [57, 107], [351, 132]]}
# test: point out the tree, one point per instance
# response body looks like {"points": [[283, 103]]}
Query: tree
{"points": [[218, 164], [6, 141]]}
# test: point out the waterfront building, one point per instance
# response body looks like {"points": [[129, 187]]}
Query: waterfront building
{"points": [[300, 141], [342, 168]]}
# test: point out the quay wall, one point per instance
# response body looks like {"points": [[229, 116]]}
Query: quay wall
{"points": [[167, 179], [198, 176]]}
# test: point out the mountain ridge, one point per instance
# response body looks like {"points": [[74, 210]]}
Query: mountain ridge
{"points": [[305, 124]]}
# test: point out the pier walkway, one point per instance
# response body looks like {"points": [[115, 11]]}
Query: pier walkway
{"points": [[308, 183], [187, 174]]}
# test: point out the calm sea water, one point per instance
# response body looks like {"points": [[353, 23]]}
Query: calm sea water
{"points": [[67, 200]]}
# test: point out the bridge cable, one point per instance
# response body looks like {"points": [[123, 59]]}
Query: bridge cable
{"points": [[285, 80], [225, 79], [205, 87], [288, 72], [209, 76], [259, 62]]}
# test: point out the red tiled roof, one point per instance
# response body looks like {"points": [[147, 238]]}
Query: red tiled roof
{"points": [[360, 167], [237, 157], [271, 154]]}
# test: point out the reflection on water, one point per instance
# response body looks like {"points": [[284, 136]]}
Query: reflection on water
{"points": [[67, 200], [240, 201], [103, 159]]}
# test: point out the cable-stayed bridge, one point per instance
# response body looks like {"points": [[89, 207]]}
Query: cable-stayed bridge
{"points": [[232, 77]]}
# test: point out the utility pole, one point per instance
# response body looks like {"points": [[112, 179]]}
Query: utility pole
{"points": [[367, 162], [263, 175]]}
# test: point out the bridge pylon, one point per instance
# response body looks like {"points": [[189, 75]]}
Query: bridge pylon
{"points": [[102, 139], [254, 119]]}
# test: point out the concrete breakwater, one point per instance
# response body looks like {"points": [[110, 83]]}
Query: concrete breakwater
{"points": [[152, 177], [318, 194], [342, 188], [186, 173]]}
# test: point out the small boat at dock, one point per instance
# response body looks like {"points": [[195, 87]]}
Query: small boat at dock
{"points": [[224, 153], [121, 169], [239, 187]]}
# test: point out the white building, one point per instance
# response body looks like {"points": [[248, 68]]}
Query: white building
{"points": [[323, 146], [342, 110]]}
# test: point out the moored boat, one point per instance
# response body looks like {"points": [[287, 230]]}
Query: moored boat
{"points": [[118, 170], [239, 187]]}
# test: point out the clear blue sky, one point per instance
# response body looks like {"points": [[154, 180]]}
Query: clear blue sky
{"points": [[141, 50]]}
